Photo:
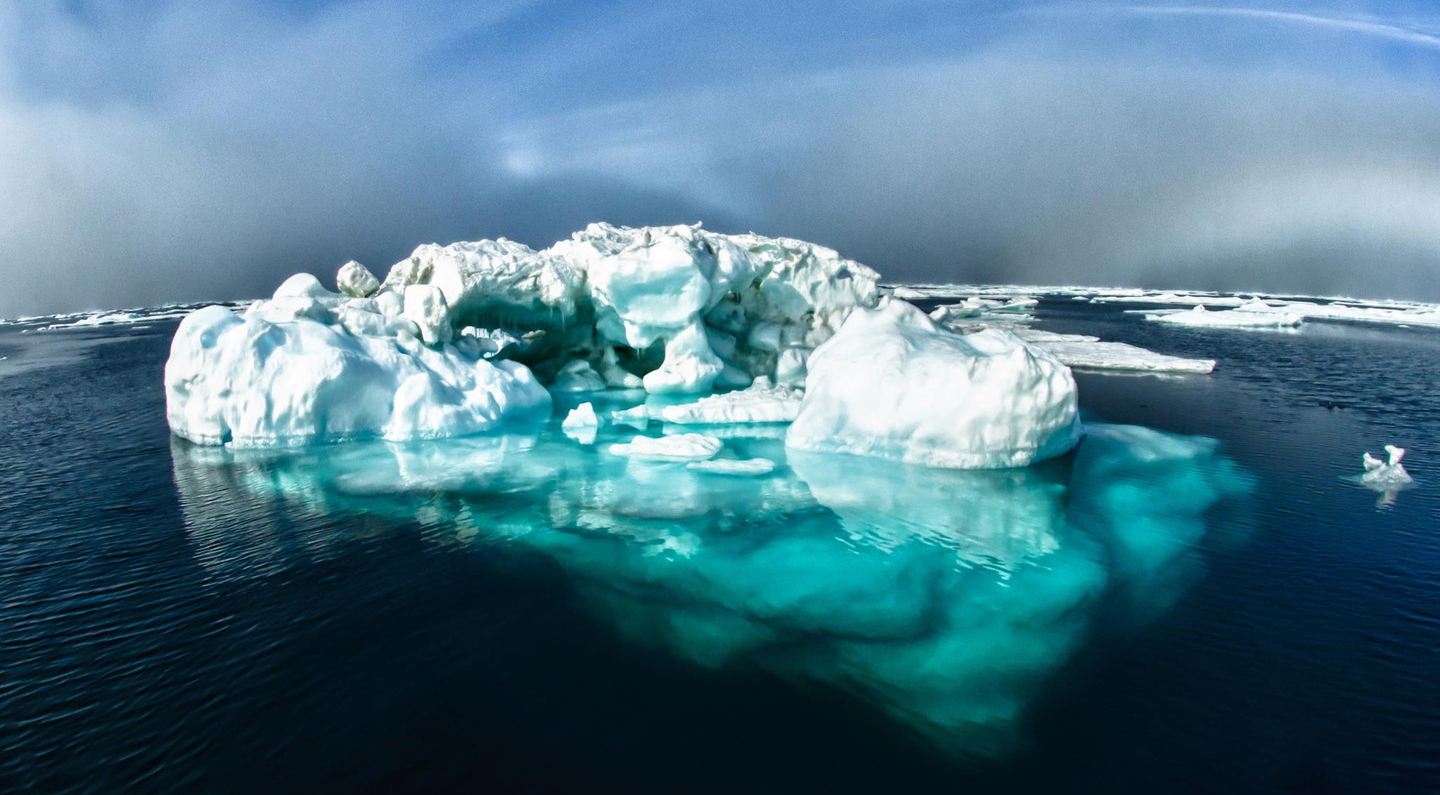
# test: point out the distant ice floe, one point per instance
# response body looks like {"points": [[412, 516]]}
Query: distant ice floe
{"points": [[1245, 317], [947, 600], [1323, 308], [109, 317], [1074, 350], [1089, 353]]}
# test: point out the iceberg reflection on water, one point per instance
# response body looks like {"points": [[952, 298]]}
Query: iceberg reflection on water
{"points": [[945, 598]]}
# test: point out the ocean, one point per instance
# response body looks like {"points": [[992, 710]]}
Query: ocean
{"points": [[1198, 599]]}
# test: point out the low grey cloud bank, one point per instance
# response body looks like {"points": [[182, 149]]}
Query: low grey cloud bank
{"points": [[169, 153]]}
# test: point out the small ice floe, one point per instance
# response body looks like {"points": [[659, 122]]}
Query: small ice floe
{"points": [[762, 402], [735, 467], [581, 424], [676, 447], [1388, 477]]}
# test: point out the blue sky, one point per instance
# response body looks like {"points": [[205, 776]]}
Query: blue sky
{"points": [[156, 151]]}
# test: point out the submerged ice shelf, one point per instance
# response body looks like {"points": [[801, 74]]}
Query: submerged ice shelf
{"points": [[945, 598]]}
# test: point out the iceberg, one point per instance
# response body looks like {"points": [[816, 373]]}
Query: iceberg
{"points": [[456, 338], [894, 384], [581, 424], [1386, 475]]}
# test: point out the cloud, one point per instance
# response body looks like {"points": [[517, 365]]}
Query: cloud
{"points": [[159, 151], [1361, 25]]}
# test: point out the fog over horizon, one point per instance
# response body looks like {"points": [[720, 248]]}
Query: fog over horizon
{"points": [[155, 151]]}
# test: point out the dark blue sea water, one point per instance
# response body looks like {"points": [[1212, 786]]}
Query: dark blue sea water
{"points": [[1205, 606]]}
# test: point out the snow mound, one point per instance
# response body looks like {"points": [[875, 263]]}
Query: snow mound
{"points": [[893, 384], [254, 382], [677, 447]]}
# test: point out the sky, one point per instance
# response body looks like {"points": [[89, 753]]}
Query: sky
{"points": [[155, 151]]}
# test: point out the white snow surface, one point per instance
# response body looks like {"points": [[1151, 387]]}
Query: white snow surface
{"points": [[896, 385], [674, 447]]}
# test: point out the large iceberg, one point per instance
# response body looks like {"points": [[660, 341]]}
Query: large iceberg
{"points": [[457, 339], [894, 384]]}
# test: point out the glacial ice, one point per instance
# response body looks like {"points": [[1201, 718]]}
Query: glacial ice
{"points": [[676, 310], [894, 384], [947, 600]]}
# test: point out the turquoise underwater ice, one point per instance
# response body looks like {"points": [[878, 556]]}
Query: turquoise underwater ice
{"points": [[945, 598]]}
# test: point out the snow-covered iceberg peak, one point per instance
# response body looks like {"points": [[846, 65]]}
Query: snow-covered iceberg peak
{"points": [[254, 381], [894, 384]]}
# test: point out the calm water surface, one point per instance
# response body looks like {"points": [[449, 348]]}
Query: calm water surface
{"points": [[1204, 606]]}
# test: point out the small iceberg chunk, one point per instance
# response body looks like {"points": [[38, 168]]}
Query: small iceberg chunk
{"points": [[1386, 474], [761, 402], [677, 447], [637, 417], [581, 424], [737, 467], [1388, 478], [893, 384]]}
